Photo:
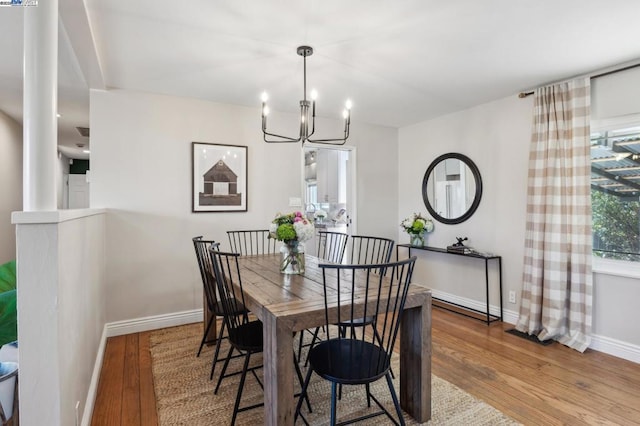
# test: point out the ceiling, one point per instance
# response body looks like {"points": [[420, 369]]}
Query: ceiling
{"points": [[400, 62]]}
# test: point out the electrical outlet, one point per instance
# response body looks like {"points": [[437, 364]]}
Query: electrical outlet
{"points": [[512, 297]]}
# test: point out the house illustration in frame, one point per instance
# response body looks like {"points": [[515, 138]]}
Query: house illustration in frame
{"points": [[220, 186]]}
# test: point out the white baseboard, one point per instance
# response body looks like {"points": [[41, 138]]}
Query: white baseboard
{"points": [[155, 322], [507, 316], [93, 385], [603, 344], [616, 348]]}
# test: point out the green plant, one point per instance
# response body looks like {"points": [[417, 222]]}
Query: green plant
{"points": [[8, 303], [615, 226], [8, 276]]}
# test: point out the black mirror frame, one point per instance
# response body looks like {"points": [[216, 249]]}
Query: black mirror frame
{"points": [[476, 198]]}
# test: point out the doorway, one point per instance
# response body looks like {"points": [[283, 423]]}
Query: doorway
{"points": [[329, 189], [78, 191]]}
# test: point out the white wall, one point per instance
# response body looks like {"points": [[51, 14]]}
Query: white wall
{"points": [[496, 137], [616, 94], [141, 171], [10, 183], [61, 312]]}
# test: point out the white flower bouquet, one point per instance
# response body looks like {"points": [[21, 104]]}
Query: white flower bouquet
{"points": [[292, 229], [417, 226]]}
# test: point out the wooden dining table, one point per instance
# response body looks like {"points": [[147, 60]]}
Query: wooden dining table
{"points": [[291, 303]]}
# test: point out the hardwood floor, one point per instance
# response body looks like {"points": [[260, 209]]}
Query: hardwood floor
{"points": [[532, 383]]}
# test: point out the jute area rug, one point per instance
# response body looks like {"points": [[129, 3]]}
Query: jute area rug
{"points": [[184, 393]]}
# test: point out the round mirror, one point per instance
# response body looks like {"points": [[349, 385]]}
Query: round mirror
{"points": [[452, 188]]}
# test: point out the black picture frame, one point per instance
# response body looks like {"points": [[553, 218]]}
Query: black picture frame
{"points": [[219, 178]]}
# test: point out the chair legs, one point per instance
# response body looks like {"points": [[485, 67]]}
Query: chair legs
{"points": [[333, 403], [218, 340], [395, 399], [313, 341], [303, 394], [336, 387], [224, 370], [236, 406], [217, 352], [299, 374], [206, 333], [245, 369]]}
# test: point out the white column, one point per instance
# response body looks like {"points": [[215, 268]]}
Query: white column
{"points": [[40, 106]]}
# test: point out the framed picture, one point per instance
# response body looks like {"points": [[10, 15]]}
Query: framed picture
{"points": [[219, 178]]}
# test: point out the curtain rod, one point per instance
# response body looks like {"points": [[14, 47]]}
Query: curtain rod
{"points": [[525, 94]]}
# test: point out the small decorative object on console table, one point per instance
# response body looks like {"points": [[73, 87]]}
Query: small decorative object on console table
{"points": [[459, 247], [293, 230], [417, 227]]}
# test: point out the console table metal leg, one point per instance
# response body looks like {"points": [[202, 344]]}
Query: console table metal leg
{"points": [[500, 278], [486, 282]]}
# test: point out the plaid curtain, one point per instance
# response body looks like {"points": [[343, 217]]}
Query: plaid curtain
{"points": [[557, 290]]}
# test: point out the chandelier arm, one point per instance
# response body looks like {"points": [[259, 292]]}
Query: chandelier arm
{"points": [[328, 141], [347, 125], [286, 138], [265, 134]]}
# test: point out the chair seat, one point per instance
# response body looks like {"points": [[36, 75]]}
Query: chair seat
{"points": [[349, 361], [247, 337], [218, 310]]}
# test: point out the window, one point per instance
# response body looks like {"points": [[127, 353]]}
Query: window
{"points": [[615, 192]]}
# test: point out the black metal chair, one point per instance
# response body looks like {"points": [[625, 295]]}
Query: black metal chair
{"points": [[245, 335], [211, 296], [331, 247], [251, 242], [367, 251], [350, 360], [363, 250]]}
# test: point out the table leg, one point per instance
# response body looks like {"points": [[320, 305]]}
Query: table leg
{"points": [[415, 361], [278, 372]]}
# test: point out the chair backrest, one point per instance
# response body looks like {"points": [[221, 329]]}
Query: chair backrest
{"points": [[206, 269], [251, 242], [385, 296], [367, 250], [331, 246], [229, 284]]}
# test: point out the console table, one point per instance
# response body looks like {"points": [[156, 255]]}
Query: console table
{"points": [[489, 318]]}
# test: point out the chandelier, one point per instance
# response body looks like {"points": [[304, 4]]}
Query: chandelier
{"points": [[307, 114]]}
